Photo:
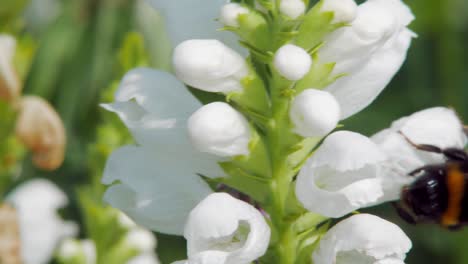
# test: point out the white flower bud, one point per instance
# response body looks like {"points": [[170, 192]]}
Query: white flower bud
{"points": [[344, 10], [230, 14], [209, 65], [40, 128], [363, 238], [71, 248], [314, 113], [10, 86], [141, 239], [292, 62], [219, 129], [292, 8]]}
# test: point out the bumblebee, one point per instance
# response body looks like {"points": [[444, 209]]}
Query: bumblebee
{"points": [[439, 194]]}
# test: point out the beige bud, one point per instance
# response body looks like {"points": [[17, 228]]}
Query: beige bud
{"points": [[40, 128], [9, 235], [10, 85]]}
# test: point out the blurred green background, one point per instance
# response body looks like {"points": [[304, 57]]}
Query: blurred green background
{"points": [[80, 48]]}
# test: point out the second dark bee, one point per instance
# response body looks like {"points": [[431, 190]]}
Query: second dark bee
{"points": [[440, 192]]}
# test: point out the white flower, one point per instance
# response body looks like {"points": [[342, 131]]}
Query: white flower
{"points": [[230, 14], [369, 52], [314, 113], [71, 248], [344, 10], [362, 239], [209, 65], [224, 230], [219, 129], [147, 258], [341, 176], [194, 19], [292, 8], [436, 126], [41, 228], [292, 62], [153, 188], [141, 239], [10, 86]]}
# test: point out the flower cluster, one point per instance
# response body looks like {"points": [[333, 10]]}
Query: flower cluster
{"points": [[261, 129]]}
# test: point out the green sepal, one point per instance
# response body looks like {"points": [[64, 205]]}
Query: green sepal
{"points": [[255, 186], [319, 76], [315, 26], [309, 243], [253, 100], [254, 29]]}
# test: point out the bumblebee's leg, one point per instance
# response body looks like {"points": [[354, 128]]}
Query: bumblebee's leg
{"points": [[404, 214], [453, 154]]}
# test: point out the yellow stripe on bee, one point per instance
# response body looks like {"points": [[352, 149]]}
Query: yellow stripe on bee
{"points": [[456, 191]]}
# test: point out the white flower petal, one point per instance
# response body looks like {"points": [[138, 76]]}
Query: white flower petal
{"points": [[362, 239], [437, 126], [71, 248], [222, 229], [141, 239], [153, 104], [219, 129], [314, 113], [41, 228], [341, 176], [360, 88], [230, 14], [147, 258], [292, 62], [209, 65], [200, 15], [292, 8], [155, 190], [344, 10], [369, 52]]}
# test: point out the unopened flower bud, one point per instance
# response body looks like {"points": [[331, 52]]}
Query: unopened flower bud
{"points": [[292, 8], [230, 14], [209, 65], [314, 113], [292, 62], [40, 128], [344, 10], [141, 239], [219, 129], [9, 83]]}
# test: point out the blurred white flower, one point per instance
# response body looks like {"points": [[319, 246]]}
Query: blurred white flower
{"points": [[224, 230], [341, 176], [314, 113], [292, 62], [141, 239], [146, 258], [219, 129], [155, 106], [194, 19], [10, 86], [438, 126], [344, 11], [363, 239], [209, 65], [82, 249], [41, 228], [230, 14], [292, 8], [369, 52]]}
